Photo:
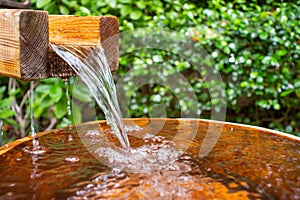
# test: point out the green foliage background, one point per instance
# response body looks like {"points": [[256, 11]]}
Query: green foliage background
{"points": [[255, 46]]}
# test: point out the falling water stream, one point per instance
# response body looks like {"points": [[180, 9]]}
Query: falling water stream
{"points": [[31, 100], [93, 69], [36, 147], [69, 112]]}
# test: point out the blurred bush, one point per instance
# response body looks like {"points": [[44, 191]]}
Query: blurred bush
{"points": [[254, 44]]}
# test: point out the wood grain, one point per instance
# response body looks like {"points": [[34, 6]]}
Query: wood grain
{"points": [[82, 33], [23, 43], [14, 4], [25, 35]]}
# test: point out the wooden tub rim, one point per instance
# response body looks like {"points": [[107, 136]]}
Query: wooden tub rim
{"points": [[7, 147]]}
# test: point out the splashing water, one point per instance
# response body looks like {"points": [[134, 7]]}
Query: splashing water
{"points": [[242, 165], [153, 156], [93, 69], [156, 153]]}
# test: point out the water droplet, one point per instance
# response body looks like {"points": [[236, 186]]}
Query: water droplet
{"points": [[69, 112], [128, 128], [35, 150], [70, 138], [91, 133], [72, 159]]}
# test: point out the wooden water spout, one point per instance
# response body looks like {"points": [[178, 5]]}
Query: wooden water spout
{"points": [[25, 36]]}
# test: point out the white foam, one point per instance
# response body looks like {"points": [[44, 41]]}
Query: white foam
{"points": [[130, 128], [91, 133], [156, 154]]}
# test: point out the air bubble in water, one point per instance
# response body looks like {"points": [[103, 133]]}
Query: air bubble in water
{"points": [[72, 159], [132, 128], [158, 155], [35, 150]]}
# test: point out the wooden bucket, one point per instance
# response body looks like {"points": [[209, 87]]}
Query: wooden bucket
{"points": [[241, 162]]}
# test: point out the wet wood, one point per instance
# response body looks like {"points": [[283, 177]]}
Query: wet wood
{"points": [[205, 125], [82, 33], [25, 35], [14, 4], [7, 147], [247, 162], [23, 44]]}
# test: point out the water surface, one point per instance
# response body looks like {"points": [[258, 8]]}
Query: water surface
{"points": [[246, 163]]}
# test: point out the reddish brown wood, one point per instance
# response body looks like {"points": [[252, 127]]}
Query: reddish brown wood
{"points": [[25, 35]]}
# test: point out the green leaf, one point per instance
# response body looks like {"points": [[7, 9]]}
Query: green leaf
{"points": [[101, 3], [215, 101], [125, 10], [64, 122], [42, 3], [190, 14], [141, 4], [276, 106], [244, 84], [287, 92], [136, 14], [13, 92], [266, 60], [126, 2], [254, 74], [6, 113], [264, 14], [63, 10], [297, 83], [82, 93], [42, 88], [259, 79], [40, 109], [281, 52], [263, 35], [287, 72], [5, 103], [263, 103], [297, 91], [2, 89], [60, 109], [113, 3], [11, 121], [85, 2], [77, 114], [227, 50], [55, 93], [85, 10], [70, 4], [51, 8]]}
